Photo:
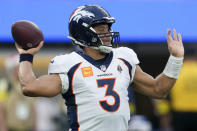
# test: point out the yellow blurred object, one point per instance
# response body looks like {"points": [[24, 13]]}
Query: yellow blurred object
{"points": [[163, 107], [3, 89], [132, 108], [184, 92]]}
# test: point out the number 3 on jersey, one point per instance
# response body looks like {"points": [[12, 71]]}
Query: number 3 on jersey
{"points": [[109, 84]]}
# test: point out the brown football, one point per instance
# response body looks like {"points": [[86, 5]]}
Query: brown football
{"points": [[26, 34]]}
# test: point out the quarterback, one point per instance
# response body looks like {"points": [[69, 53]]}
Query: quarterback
{"points": [[94, 82]]}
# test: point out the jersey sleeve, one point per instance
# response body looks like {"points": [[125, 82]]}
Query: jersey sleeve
{"points": [[58, 66], [131, 57]]}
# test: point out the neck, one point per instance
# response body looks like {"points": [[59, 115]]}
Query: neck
{"points": [[95, 54]]}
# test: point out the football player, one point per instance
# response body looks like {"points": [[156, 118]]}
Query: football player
{"points": [[94, 82]]}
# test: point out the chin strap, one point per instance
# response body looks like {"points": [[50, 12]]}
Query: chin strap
{"points": [[105, 49], [102, 48]]}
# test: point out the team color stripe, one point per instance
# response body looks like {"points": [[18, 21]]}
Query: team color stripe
{"points": [[70, 99], [128, 65]]}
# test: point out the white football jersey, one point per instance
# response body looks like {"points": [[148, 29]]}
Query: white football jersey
{"points": [[95, 91]]}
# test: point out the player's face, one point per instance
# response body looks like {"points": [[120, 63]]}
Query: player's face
{"points": [[103, 33]]}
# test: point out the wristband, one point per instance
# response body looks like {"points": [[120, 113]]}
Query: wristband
{"points": [[26, 57], [173, 67]]}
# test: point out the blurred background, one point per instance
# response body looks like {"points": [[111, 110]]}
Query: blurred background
{"points": [[142, 25]]}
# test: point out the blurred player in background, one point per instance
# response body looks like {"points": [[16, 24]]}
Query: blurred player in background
{"points": [[19, 111], [94, 82], [179, 111], [50, 114]]}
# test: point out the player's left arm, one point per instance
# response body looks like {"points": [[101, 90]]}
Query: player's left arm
{"points": [[159, 87]]}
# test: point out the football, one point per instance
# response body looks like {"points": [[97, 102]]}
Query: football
{"points": [[26, 34]]}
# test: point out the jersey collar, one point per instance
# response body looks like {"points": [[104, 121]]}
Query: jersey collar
{"points": [[102, 64]]}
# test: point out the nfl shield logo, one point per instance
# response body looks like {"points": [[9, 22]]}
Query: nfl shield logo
{"points": [[103, 67]]}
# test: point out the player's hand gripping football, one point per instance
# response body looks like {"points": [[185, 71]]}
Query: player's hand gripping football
{"points": [[32, 51], [175, 45]]}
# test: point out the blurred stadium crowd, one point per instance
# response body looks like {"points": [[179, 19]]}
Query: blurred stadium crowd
{"points": [[178, 112]]}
